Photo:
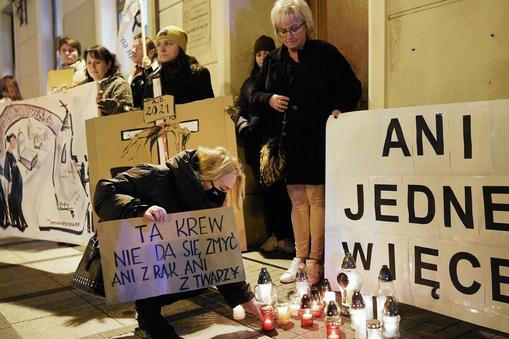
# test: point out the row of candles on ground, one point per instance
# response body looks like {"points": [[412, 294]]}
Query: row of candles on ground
{"points": [[371, 318]]}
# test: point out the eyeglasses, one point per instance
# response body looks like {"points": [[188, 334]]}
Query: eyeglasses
{"points": [[294, 30]]}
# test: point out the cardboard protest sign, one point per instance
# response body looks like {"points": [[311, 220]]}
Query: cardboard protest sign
{"points": [[107, 140], [425, 191], [120, 141], [59, 80], [158, 108], [189, 251]]}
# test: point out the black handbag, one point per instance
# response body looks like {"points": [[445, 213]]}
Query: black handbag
{"points": [[273, 159], [88, 277]]}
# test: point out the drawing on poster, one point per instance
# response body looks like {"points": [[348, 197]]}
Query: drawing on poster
{"points": [[37, 145]]}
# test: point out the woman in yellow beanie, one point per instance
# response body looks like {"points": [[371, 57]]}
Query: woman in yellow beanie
{"points": [[181, 75]]}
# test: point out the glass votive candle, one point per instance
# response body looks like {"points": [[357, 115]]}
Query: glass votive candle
{"points": [[283, 313], [306, 317], [391, 326], [391, 318], [305, 312], [333, 331], [295, 306], [317, 308], [358, 315], [268, 319], [316, 302], [374, 329], [332, 321]]}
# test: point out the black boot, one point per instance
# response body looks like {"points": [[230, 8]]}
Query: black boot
{"points": [[156, 326]]}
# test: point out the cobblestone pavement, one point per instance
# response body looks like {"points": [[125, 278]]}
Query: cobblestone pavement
{"points": [[36, 301]]}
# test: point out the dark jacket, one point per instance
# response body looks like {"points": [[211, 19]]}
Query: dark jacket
{"points": [[188, 82], [320, 82], [116, 87], [138, 85], [173, 186], [247, 126]]}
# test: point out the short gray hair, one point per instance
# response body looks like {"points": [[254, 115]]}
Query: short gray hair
{"points": [[287, 10]]}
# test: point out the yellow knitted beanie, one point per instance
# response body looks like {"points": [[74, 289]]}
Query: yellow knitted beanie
{"points": [[175, 34]]}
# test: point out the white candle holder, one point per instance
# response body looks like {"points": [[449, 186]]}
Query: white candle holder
{"points": [[349, 279]]}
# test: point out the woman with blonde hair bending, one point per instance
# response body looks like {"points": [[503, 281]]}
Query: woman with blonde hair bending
{"points": [[301, 84], [191, 180]]}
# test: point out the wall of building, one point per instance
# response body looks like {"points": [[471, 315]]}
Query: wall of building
{"points": [[212, 53], [443, 51], [347, 29], [33, 43], [6, 59], [248, 21]]}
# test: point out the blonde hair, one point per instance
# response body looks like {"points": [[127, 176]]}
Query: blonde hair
{"points": [[288, 10], [214, 163]]}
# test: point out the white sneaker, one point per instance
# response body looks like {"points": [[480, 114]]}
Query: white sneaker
{"points": [[286, 246], [270, 245], [289, 275], [314, 271]]}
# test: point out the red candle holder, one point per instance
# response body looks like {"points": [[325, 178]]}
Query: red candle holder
{"points": [[317, 308], [306, 317], [268, 318], [333, 331]]}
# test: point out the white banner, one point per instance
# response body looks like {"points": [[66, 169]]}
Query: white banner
{"points": [[130, 25], [189, 251], [44, 192], [424, 190]]}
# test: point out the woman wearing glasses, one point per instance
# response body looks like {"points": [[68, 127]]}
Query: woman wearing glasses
{"points": [[304, 81]]}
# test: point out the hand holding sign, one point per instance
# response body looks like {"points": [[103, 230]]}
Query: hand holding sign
{"points": [[158, 108], [155, 213]]}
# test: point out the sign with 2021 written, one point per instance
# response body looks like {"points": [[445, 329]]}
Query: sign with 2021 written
{"points": [[188, 251], [158, 108], [424, 190]]}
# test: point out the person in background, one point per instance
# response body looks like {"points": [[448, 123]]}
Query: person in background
{"points": [[137, 77], [114, 93], [69, 50], [309, 80], [180, 74], [254, 134], [10, 89], [192, 180]]}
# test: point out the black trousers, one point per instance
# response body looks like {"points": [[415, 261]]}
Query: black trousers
{"points": [[277, 204], [149, 314], [278, 209]]}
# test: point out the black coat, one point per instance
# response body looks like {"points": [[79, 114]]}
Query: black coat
{"points": [[138, 90], [247, 127], [138, 86], [187, 82], [319, 83], [173, 186]]}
